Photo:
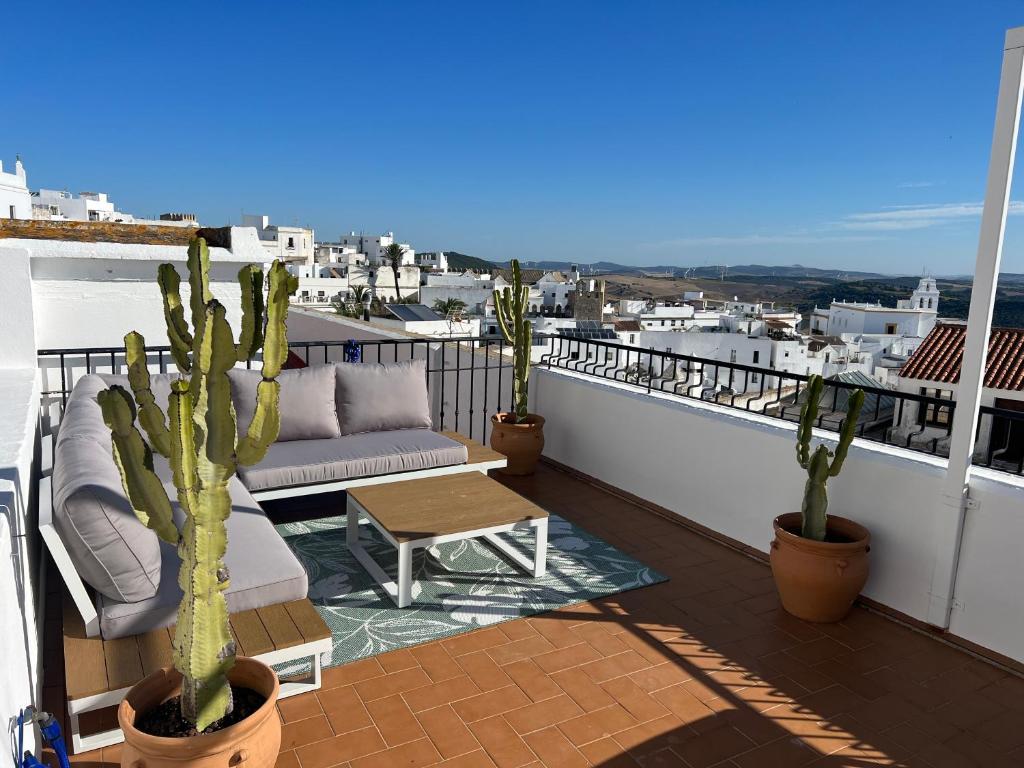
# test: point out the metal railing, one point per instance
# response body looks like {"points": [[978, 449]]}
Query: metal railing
{"points": [[468, 380]]}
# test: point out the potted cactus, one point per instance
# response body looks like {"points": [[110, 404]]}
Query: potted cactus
{"points": [[820, 561], [518, 434], [211, 707]]}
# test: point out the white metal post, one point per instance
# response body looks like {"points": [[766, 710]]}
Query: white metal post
{"points": [[979, 321]]}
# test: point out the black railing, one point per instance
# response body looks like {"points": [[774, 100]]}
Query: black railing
{"points": [[470, 379], [919, 422]]}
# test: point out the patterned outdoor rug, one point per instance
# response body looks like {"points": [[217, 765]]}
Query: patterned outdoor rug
{"points": [[458, 586]]}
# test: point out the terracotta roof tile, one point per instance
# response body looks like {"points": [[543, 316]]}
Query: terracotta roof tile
{"points": [[941, 353]]}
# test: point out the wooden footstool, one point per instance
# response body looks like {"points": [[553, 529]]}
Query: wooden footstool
{"points": [[415, 514]]}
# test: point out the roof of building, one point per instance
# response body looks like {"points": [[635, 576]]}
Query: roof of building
{"points": [[413, 312], [778, 324], [627, 325], [820, 342], [110, 232], [941, 353], [529, 275]]}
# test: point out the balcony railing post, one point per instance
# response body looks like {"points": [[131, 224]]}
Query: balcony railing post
{"points": [[979, 321]]}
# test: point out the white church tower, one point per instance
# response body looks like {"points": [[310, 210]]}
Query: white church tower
{"points": [[926, 296]]}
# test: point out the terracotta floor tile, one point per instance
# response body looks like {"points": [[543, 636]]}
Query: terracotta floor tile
{"points": [[634, 699], [555, 629], [596, 725], [445, 692], [484, 671], [584, 691], [414, 754], [446, 730], [519, 629], [598, 638], [396, 661], [517, 650], [435, 661], [782, 753], [533, 681], [543, 714], [345, 710], [347, 674], [551, 746], [478, 640], [394, 720], [287, 760], [505, 747], [659, 676], [485, 705], [302, 732], [615, 666], [478, 759], [608, 754], [683, 704], [653, 735], [395, 682], [340, 749], [299, 707]]}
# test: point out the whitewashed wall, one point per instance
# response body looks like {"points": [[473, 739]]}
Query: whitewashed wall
{"points": [[734, 472]]}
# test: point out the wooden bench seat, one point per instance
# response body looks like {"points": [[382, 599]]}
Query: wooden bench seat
{"points": [[99, 672]]}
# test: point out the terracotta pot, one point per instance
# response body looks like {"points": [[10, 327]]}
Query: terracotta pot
{"points": [[252, 743], [521, 442], [819, 580]]}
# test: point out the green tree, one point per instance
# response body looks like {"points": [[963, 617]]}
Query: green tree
{"points": [[446, 307], [393, 256]]}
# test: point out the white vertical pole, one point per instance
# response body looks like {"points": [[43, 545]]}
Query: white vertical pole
{"points": [[979, 321]]}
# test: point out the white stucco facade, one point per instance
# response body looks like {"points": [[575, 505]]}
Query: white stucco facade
{"points": [[292, 244], [374, 245], [15, 200]]}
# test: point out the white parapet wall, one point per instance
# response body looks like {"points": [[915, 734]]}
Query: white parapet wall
{"points": [[733, 472]]}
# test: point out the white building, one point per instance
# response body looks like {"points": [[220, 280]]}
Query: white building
{"points": [[15, 201], [336, 253], [915, 316], [289, 244], [374, 245], [55, 205], [475, 291], [433, 261]]}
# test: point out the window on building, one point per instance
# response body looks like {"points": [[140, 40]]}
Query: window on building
{"points": [[890, 328], [757, 357], [632, 338], [663, 323], [11, 213], [732, 355], [574, 355], [929, 303], [755, 379], [828, 356], [291, 243], [609, 355], [936, 414]]}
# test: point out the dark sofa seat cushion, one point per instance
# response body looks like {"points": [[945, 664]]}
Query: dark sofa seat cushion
{"points": [[262, 569], [309, 462]]}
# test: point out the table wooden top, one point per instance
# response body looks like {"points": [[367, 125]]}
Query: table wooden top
{"points": [[439, 506]]}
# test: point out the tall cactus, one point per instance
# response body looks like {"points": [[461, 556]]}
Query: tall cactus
{"points": [[198, 436], [510, 307], [819, 468]]}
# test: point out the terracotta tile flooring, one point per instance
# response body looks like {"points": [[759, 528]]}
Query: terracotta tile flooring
{"points": [[704, 670]]}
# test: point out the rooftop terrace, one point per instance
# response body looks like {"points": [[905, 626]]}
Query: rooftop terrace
{"points": [[703, 670]]}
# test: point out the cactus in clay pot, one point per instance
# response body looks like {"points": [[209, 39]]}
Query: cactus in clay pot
{"points": [[510, 308], [198, 437], [822, 463]]}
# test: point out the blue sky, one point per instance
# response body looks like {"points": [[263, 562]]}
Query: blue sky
{"points": [[848, 135]]}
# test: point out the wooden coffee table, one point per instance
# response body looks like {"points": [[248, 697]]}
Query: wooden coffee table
{"points": [[413, 514]]}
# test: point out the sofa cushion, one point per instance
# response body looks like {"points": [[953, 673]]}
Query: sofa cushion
{"points": [[111, 549], [343, 458], [373, 397], [263, 571], [306, 403]]}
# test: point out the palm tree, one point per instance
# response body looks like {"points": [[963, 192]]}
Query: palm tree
{"points": [[393, 255], [357, 294], [445, 307]]}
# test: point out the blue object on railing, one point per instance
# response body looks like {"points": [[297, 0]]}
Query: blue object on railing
{"points": [[50, 729], [350, 351]]}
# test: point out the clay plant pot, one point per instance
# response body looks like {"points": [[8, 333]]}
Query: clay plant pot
{"points": [[819, 580], [521, 442], [251, 743]]}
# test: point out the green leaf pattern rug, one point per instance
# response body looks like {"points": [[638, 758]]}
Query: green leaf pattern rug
{"points": [[457, 587]]}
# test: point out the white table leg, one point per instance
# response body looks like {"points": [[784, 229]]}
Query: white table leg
{"points": [[540, 555], [404, 574]]}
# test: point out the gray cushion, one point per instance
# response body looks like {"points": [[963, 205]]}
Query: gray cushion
{"points": [[262, 569], [306, 402], [111, 549], [350, 456], [373, 397]]}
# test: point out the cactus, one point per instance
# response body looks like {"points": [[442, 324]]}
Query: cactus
{"points": [[510, 308], [198, 436], [819, 468]]}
